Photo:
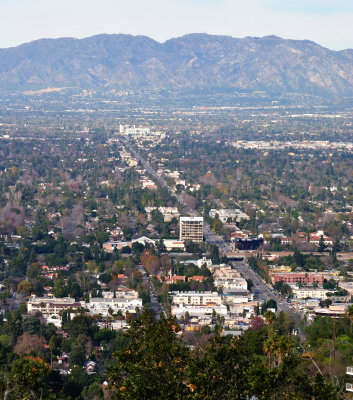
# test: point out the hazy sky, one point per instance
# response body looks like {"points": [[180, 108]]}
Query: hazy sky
{"points": [[327, 22]]}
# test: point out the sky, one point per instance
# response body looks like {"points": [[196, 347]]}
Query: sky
{"points": [[327, 22]]}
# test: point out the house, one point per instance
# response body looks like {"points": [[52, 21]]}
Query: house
{"points": [[89, 366], [197, 278]]}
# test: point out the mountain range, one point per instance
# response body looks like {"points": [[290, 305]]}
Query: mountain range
{"points": [[197, 61]]}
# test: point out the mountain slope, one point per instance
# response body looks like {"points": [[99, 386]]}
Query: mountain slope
{"points": [[192, 61]]}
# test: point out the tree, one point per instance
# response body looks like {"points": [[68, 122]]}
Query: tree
{"points": [[33, 271], [28, 377], [152, 366], [25, 288], [322, 246], [160, 246], [270, 317], [81, 324], [93, 392], [137, 249], [27, 343], [215, 254], [78, 351]]}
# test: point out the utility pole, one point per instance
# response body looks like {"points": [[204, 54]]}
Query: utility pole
{"points": [[334, 338]]}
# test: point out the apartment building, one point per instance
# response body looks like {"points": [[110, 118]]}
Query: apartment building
{"points": [[51, 306], [297, 277], [191, 228], [105, 306], [230, 280], [196, 298], [305, 293]]}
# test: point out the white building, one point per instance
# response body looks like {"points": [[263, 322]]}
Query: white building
{"points": [[100, 305], [191, 228], [174, 244], [168, 212], [237, 298], [198, 310], [196, 298], [199, 263], [224, 214], [51, 307], [229, 280], [132, 130], [304, 293]]}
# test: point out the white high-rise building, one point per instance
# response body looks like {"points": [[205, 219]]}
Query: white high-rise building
{"points": [[191, 228]]}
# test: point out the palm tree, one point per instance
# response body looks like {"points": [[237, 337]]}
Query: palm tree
{"points": [[283, 346], [270, 317], [269, 347], [350, 312]]}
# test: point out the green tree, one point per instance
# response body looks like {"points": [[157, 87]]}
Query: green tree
{"points": [[152, 366]]}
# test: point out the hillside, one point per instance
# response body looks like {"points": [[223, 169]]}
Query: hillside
{"points": [[204, 61]]}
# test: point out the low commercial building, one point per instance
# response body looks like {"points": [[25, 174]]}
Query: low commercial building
{"points": [[247, 308], [199, 263], [237, 298], [225, 214], [112, 245], [198, 310], [174, 244], [170, 244], [168, 212], [347, 286], [229, 280]]}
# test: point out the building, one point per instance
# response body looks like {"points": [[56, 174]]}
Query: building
{"points": [[226, 214], [170, 244], [230, 280], [191, 228], [249, 243], [305, 293], [51, 306], [297, 277], [132, 130], [200, 262], [196, 298], [174, 244], [112, 245], [168, 212], [106, 306], [198, 310]]}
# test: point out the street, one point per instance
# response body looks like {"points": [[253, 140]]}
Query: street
{"points": [[260, 289]]}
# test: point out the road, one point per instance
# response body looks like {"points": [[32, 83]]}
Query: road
{"points": [[261, 290], [155, 305]]}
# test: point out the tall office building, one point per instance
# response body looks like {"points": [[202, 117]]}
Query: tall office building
{"points": [[191, 228]]}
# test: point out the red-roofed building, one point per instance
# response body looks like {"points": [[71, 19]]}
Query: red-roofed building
{"points": [[197, 278], [297, 277]]}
